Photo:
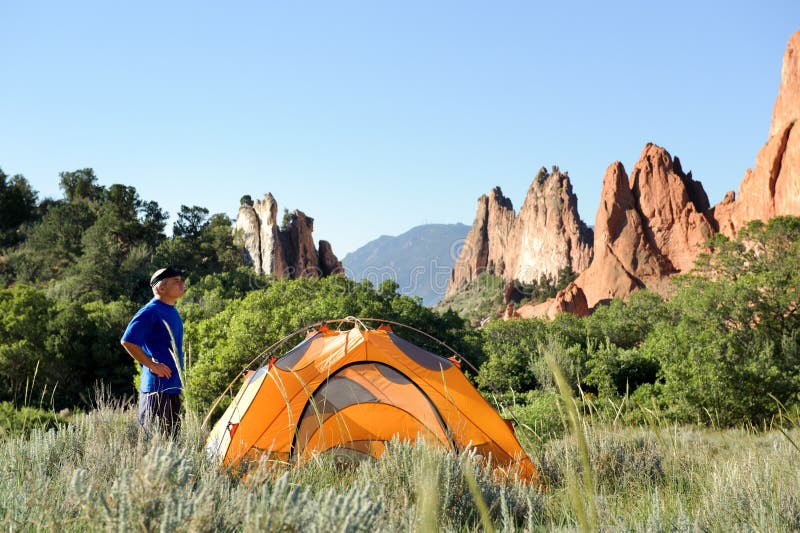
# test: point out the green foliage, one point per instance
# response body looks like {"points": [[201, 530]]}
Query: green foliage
{"points": [[53, 244], [22, 421], [102, 243], [541, 176], [539, 415], [95, 244], [61, 350], [513, 351], [481, 299], [208, 295], [615, 371], [80, 185], [24, 315], [84, 342], [17, 206], [191, 221], [735, 348], [627, 324], [565, 276], [536, 291], [286, 219], [200, 248], [511, 348]]}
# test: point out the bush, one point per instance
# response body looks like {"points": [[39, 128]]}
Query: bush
{"points": [[20, 422], [616, 371], [540, 416]]}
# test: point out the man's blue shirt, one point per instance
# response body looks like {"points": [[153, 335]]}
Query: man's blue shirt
{"points": [[147, 330]]}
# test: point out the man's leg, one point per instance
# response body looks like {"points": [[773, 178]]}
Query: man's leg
{"points": [[171, 414], [160, 410], [148, 408]]}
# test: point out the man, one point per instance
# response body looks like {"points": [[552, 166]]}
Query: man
{"points": [[149, 340]]}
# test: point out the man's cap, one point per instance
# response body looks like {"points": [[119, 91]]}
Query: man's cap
{"points": [[163, 274]]}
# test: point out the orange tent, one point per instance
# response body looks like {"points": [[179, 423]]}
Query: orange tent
{"points": [[352, 391]]}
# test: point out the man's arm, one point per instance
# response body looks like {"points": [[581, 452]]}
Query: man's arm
{"points": [[159, 369]]}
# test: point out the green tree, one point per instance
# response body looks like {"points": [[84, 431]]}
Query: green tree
{"points": [[24, 315], [511, 348], [626, 324], [616, 371], [735, 344], [201, 245], [217, 251], [191, 221], [514, 352], [153, 223], [17, 206], [211, 294], [565, 276], [53, 244], [80, 185], [116, 249]]}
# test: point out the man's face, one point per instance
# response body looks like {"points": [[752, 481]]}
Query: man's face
{"points": [[172, 287]]}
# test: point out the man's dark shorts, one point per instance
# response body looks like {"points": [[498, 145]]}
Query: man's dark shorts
{"points": [[161, 410]]}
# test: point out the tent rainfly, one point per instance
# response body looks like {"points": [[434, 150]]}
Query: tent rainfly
{"points": [[349, 392]]}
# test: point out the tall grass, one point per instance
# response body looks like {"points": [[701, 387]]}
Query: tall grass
{"points": [[100, 472]]}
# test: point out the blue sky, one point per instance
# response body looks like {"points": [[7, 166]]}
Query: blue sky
{"points": [[374, 117]]}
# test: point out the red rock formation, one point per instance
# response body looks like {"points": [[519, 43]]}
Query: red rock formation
{"points": [[328, 262], [647, 228], [571, 299], [653, 228], [485, 243], [722, 215], [672, 207], [283, 253], [620, 246], [547, 235], [787, 105], [772, 187], [298, 248], [669, 222]]}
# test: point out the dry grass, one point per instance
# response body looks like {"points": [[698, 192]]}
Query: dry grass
{"points": [[101, 473]]}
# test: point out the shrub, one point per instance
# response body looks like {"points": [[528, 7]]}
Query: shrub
{"points": [[540, 416], [20, 422]]}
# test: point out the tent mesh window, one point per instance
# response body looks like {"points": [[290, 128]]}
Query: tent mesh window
{"points": [[364, 405]]}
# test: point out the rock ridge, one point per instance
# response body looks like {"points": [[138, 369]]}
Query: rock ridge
{"points": [[648, 227], [544, 239], [772, 187], [286, 252]]}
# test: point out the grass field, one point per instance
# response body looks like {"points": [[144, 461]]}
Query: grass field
{"points": [[100, 472]]}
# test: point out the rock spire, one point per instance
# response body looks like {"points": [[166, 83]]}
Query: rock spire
{"points": [[546, 236], [287, 252], [772, 187]]}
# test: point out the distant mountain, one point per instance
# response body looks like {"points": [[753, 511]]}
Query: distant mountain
{"points": [[419, 260]]}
